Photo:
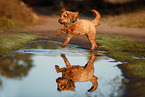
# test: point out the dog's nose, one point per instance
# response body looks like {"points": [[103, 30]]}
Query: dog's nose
{"points": [[59, 20], [58, 79]]}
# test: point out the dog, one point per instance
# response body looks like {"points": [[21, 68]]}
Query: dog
{"points": [[78, 28], [77, 73]]}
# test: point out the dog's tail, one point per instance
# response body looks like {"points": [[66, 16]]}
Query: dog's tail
{"points": [[96, 21], [95, 84]]}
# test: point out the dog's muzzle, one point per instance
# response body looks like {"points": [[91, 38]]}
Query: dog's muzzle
{"points": [[60, 21]]}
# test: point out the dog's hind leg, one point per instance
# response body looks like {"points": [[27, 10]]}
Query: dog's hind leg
{"points": [[90, 65], [92, 41]]}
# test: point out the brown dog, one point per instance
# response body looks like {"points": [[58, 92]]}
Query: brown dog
{"points": [[78, 28], [72, 74]]}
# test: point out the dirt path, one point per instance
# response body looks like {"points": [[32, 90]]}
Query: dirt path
{"points": [[49, 25], [48, 29], [134, 33]]}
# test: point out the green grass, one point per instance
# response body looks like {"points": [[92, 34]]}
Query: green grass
{"points": [[131, 20], [133, 53], [138, 22], [10, 24], [125, 50], [13, 42]]}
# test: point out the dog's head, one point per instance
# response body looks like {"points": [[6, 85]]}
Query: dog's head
{"points": [[67, 16], [65, 84]]}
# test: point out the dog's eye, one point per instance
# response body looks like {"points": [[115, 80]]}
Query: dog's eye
{"points": [[65, 15], [62, 86]]}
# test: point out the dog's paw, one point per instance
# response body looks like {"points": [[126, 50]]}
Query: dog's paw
{"points": [[58, 34], [57, 68], [62, 55], [63, 45], [91, 50]]}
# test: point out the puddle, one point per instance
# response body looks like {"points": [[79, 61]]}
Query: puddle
{"points": [[31, 72]]}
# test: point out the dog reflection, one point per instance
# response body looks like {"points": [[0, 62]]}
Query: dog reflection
{"points": [[72, 74]]}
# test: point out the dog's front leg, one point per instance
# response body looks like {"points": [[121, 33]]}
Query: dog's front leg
{"points": [[66, 61], [58, 32], [69, 36], [61, 30], [59, 69]]}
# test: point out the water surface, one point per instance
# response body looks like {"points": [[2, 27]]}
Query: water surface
{"points": [[30, 72]]}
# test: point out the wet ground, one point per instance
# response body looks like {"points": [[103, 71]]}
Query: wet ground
{"points": [[31, 72]]}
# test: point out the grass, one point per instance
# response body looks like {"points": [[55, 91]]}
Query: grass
{"points": [[131, 20], [13, 42], [133, 53], [10, 24], [125, 50]]}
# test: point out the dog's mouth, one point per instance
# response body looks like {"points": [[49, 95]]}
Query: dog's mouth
{"points": [[60, 21]]}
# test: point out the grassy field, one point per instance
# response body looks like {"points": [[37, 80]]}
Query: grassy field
{"points": [[13, 42], [131, 20], [125, 50], [133, 54]]}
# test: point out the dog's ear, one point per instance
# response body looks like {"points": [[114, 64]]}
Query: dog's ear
{"points": [[74, 16], [62, 10]]}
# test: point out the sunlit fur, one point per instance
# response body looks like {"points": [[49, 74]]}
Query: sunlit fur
{"points": [[78, 28], [77, 73]]}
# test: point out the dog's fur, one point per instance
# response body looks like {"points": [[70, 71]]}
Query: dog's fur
{"points": [[72, 74], [78, 28]]}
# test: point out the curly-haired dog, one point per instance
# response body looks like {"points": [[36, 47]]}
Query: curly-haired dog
{"points": [[72, 74], [78, 28]]}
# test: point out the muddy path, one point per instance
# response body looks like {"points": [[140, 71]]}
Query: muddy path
{"points": [[49, 25], [47, 28]]}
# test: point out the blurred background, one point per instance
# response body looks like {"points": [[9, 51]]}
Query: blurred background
{"points": [[15, 14], [104, 6]]}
